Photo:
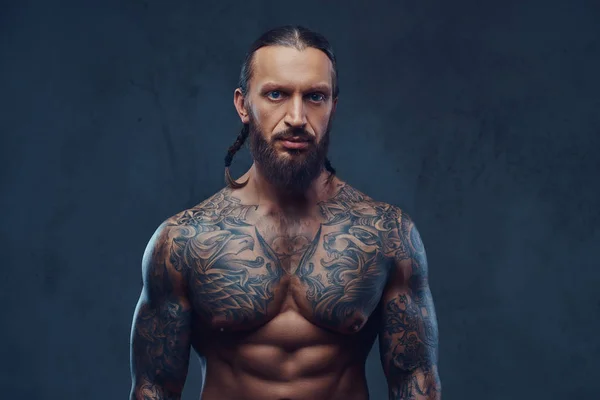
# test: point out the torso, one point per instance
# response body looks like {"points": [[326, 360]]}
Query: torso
{"points": [[286, 309]]}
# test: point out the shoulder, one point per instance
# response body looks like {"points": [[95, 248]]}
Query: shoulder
{"points": [[358, 202], [209, 213], [203, 212], [170, 237], [396, 227], [388, 212]]}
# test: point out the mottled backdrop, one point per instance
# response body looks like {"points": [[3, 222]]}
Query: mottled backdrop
{"points": [[478, 118]]}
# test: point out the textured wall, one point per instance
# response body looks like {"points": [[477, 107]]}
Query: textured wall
{"points": [[480, 119]]}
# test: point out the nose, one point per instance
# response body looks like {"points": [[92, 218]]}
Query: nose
{"points": [[296, 116]]}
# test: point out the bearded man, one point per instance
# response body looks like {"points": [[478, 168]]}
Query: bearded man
{"points": [[282, 281]]}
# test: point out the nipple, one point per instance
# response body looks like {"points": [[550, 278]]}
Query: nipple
{"points": [[355, 327]]}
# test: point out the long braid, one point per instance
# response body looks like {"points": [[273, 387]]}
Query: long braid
{"points": [[239, 142]]}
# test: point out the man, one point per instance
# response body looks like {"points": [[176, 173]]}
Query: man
{"points": [[282, 280]]}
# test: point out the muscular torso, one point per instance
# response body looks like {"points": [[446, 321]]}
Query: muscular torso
{"points": [[285, 309]]}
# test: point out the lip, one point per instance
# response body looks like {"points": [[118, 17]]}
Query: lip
{"points": [[295, 144]]}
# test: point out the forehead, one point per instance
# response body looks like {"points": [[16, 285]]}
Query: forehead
{"points": [[287, 65]]}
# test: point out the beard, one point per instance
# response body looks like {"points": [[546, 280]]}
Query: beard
{"points": [[292, 173]]}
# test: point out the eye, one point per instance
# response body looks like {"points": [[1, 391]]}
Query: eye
{"points": [[274, 95], [317, 97]]}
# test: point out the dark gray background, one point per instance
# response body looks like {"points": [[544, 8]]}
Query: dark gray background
{"points": [[478, 118]]}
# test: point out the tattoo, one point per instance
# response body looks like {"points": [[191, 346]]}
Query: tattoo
{"points": [[354, 262], [160, 339], [234, 272], [410, 337], [286, 248]]}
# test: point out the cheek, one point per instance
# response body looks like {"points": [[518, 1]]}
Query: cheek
{"points": [[321, 122], [269, 122]]}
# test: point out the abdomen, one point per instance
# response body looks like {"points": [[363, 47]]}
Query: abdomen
{"points": [[287, 358]]}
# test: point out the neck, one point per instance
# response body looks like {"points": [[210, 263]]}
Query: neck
{"points": [[276, 200]]}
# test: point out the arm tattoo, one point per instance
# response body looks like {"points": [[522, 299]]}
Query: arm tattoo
{"points": [[409, 337], [160, 344]]}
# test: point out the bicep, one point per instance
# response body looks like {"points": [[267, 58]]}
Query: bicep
{"points": [[408, 337], [160, 334]]}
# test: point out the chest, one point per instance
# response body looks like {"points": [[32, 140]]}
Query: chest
{"points": [[332, 273]]}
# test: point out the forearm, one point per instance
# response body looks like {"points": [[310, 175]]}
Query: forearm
{"points": [[160, 350], [421, 384]]}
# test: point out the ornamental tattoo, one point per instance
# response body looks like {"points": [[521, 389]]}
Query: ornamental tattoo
{"points": [[160, 335], [346, 281], [233, 271], [238, 270], [409, 338]]}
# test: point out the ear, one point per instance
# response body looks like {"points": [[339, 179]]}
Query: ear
{"points": [[240, 107]]}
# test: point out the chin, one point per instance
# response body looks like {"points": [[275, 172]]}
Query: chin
{"points": [[295, 153], [285, 154]]}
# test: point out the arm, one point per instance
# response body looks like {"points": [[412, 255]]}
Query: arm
{"points": [[160, 335], [408, 339]]}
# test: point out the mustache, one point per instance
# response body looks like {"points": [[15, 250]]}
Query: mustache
{"points": [[294, 133]]}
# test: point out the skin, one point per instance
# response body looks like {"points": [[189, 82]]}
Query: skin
{"points": [[283, 296]]}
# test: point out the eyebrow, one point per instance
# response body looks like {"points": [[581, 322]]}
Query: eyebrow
{"points": [[319, 87]]}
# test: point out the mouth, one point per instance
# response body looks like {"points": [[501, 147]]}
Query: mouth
{"points": [[295, 143]]}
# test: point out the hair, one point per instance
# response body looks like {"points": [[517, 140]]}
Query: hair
{"points": [[294, 36]]}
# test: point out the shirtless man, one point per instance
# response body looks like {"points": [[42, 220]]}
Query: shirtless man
{"points": [[282, 280]]}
